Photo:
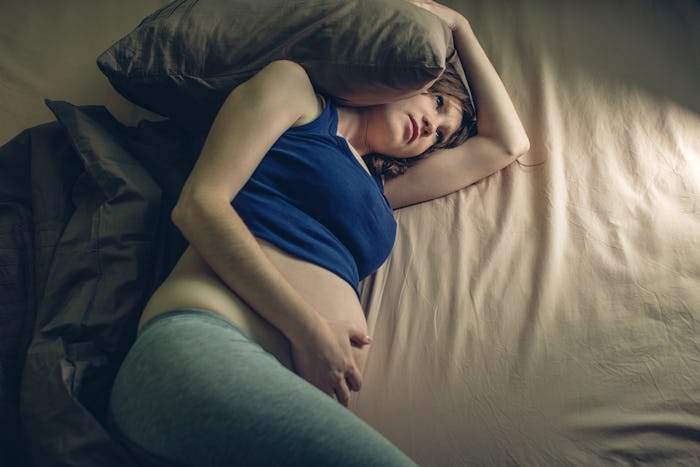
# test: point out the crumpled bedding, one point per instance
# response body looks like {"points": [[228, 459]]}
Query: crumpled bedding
{"points": [[547, 315], [84, 237]]}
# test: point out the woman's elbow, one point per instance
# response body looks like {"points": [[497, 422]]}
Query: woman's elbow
{"points": [[183, 212], [518, 148], [179, 215], [512, 145], [198, 207]]}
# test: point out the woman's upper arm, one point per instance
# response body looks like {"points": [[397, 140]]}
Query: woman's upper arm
{"points": [[448, 170], [251, 119]]}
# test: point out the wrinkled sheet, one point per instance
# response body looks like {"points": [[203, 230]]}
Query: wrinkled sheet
{"points": [[547, 315], [550, 314]]}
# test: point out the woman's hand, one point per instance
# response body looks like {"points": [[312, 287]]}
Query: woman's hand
{"points": [[452, 18], [325, 358]]}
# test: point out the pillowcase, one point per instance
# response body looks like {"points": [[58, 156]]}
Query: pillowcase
{"points": [[184, 59]]}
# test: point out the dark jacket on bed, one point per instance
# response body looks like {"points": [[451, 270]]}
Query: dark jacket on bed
{"points": [[84, 239]]}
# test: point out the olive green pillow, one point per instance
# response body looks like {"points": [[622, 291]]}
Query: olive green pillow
{"points": [[184, 59]]}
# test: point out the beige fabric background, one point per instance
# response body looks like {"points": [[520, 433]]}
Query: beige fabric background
{"points": [[548, 315], [48, 50]]}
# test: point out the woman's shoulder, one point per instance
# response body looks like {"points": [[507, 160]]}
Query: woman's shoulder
{"points": [[287, 73], [284, 77]]}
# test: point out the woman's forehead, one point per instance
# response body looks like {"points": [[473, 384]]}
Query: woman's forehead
{"points": [[454, 105], [454, 109]]}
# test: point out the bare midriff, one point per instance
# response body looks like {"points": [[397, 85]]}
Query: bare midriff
{"points": [[192, 284]]}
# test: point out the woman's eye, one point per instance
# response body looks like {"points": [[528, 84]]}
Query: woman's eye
{"points": [[438, 136], [439, 101]]}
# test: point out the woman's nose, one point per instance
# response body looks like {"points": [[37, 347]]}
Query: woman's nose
{"points": [[427, 126]]}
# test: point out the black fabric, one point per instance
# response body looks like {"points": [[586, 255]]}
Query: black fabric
{"points": [[85, 237]]}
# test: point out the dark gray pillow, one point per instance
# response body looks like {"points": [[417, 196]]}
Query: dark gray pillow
{"points": [[184, 59]]}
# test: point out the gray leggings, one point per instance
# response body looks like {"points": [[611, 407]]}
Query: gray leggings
{"points": [[195, 390]]}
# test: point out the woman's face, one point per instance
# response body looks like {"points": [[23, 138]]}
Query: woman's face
{"points": [[409, 127]]}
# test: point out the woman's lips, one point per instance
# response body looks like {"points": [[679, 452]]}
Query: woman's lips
{"points": [[414, 130]]}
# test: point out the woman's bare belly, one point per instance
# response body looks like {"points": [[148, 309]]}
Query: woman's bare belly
{"points": [[192, 284]]}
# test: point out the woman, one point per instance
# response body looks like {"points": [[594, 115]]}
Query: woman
{"points": [[206, 383]]}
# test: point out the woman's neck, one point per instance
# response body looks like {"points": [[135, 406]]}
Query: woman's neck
{"points": [[353, 127]]}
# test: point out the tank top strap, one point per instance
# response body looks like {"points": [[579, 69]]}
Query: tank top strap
{"points": [[326, 123]]}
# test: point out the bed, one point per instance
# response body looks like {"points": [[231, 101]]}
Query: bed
{"points": [[546, 315]]}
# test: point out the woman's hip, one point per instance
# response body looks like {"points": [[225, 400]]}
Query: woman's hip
{"points": [[202, 291], [196, 389]]}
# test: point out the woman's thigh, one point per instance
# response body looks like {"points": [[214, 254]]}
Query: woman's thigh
{"points": [[197, 391]]}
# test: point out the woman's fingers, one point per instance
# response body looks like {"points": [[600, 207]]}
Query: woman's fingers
{"points": [[353, 379], [448, 15], [360, 339], [331, 362], [342, 392], [344, 383]]}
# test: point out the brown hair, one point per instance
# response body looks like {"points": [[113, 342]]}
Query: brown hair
{"points": [[449, 84]]}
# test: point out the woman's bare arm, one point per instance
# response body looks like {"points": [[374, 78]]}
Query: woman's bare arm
{"points": [[251, 119], [500, 138]]}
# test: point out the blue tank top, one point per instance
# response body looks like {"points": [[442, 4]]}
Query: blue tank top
{"points": [[313, 199]]}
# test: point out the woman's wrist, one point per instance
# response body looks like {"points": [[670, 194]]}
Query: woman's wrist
{"points": [[301, 326]]}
